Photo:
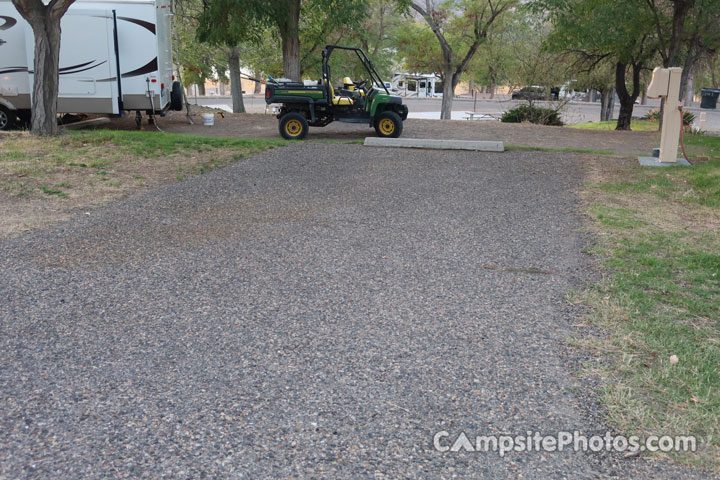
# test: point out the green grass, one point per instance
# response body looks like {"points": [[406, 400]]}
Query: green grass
{"points": [[699, 144], [52, 191], [152, 144], [550, 149], [699, 184], [636, 125], [660, 297]]}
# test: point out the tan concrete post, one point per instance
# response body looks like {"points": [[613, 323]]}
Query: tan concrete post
{"points": [[665, 84]]}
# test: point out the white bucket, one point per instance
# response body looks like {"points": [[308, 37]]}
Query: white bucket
{"points": [[208, 119]]}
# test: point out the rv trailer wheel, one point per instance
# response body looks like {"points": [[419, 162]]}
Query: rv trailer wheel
{"points": [[176, 97], [25, 119], [7, 118]]}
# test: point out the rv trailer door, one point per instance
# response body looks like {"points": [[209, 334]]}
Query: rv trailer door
{"points": [[87, 62]]}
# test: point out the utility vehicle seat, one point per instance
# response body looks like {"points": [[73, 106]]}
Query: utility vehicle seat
{"points": [[338, 100]]}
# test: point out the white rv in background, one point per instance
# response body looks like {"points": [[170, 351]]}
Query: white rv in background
{"points": [[115, 55]]}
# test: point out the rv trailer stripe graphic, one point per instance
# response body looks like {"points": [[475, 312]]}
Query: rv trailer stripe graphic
{"points": [[151, 66], [82, 69], [9, 22], [14, 70], [65, 69]]}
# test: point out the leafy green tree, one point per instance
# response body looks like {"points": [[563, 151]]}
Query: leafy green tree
{"points": [[247, 20], [459, 27], [230, 23], [605, 30], [198, 61], [708, 74], [377, 34], [418, 47], [601, 78], [701, 40], [529, 62], [496, 61]]}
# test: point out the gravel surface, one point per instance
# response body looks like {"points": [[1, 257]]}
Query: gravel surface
{"points": [[318, 311]]}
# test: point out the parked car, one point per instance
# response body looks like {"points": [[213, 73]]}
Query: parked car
{"points": [[534, 93], [387, 85]]}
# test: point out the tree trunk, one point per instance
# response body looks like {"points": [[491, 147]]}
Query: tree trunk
{"points": [[46, 77], [625, 116], [688, 67], [258, 87], [235, 80], [45, 22], [690, 89], [449, 83], [201, 87], [289, 27], [607, 104], [446, 108], [627, 100], [452, 68], [680, 11], [643, 98]]}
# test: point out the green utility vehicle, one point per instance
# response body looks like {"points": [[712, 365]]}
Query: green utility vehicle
{"points": [[316, 104]]}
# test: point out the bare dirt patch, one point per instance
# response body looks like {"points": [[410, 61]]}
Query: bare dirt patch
{"points": [[266, 126]]}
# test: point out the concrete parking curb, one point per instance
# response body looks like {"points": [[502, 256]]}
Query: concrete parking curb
{"points": [[435, 144]]}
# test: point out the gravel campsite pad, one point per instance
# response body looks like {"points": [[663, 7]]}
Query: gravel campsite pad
{"points": [[266, 126], [315, 311]]}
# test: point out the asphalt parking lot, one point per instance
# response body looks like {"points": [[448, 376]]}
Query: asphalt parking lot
{"points": [[316, 311]]}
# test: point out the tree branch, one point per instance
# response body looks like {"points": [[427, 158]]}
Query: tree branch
{"points": [[658, 27], [435, 27]]}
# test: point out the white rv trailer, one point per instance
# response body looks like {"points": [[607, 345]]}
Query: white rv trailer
{"points": [[99, 39], [417, 85]]}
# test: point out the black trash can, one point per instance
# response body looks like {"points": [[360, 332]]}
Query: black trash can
{"points": [[709, 98]]}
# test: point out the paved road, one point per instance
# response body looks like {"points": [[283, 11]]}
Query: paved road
{"points": [[318, 311], [574, 112]]}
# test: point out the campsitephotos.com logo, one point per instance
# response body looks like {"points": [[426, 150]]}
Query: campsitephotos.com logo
{"points": [[537, 442]]}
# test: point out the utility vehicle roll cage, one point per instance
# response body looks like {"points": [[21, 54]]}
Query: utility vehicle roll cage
{"points": [[367, 63]]}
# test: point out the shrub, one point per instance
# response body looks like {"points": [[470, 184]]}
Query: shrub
{"points": [[688, 117], [652, 115], [533, 114]]}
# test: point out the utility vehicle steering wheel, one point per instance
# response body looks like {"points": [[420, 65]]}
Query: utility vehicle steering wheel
{"points": [[361, 84]]}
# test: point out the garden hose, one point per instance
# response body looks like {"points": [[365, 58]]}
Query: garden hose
{"points": [[153, 117]]}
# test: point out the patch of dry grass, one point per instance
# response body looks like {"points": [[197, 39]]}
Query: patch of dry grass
{"points": [[44, 180], [659, 243]]}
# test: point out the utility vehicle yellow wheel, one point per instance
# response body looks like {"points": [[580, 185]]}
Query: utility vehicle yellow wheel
{"points": [[293, 126], [387, 127], [389, 124]]}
